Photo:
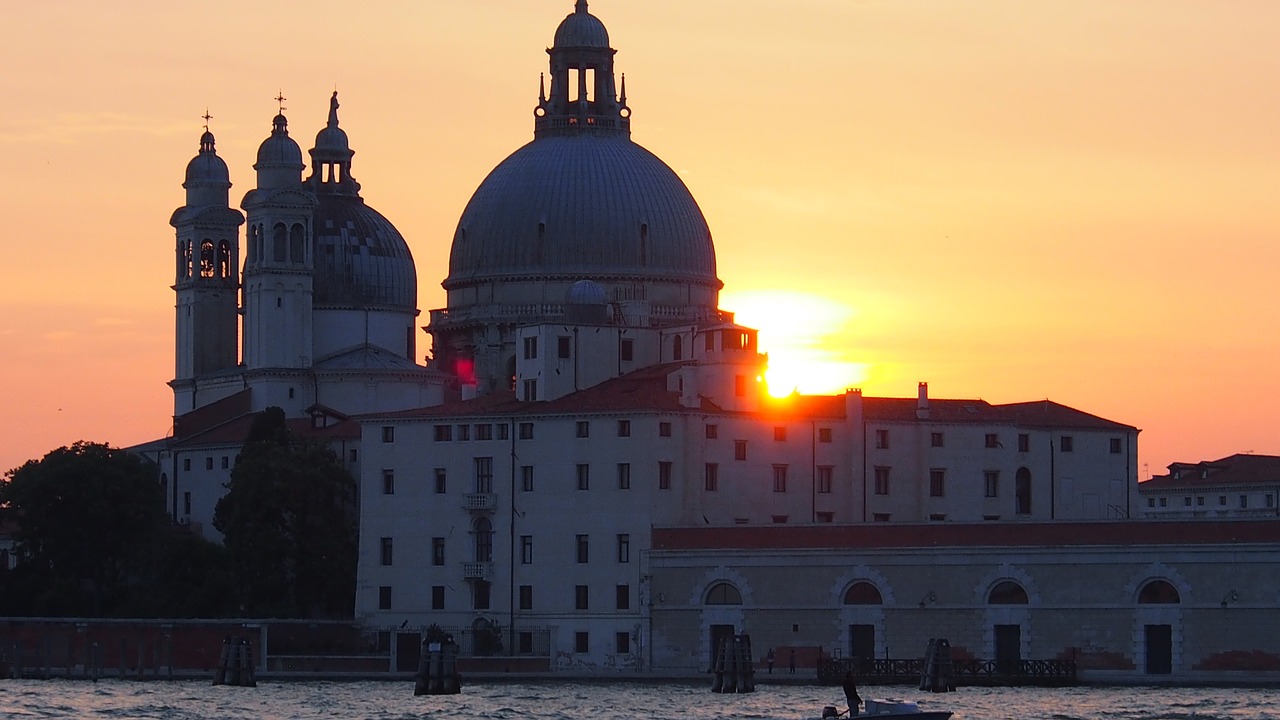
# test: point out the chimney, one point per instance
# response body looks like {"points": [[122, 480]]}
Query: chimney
{"points": [[922, 402]]}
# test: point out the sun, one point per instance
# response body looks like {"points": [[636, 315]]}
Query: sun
{"points": [[805, 336]]}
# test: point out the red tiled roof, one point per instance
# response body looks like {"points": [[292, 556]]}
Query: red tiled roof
{"points": [[1236, 469], [235, 431], [1036, 414], [935, 535], [211, 415], [1049, 414]]}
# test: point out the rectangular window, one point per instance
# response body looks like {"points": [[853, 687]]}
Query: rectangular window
{"points": [[503, 432], [1244, 501], [880, 517], [1024, 442], [562, 347], [623, 597], [779, 519], [664, 475], [882, 481], [583, 429], [739, 449], [388, 433], [581, 597], [824, 435], [384, 597], [1271, 501], [1186, 501], [208, 463], [935, 439], [826, 517], [581, 642], [624, 476], [531, 348], [712, 432], [882, 439], [664, 429], [437, 551], [1222, 500], [480, 595], [484, 432], [1066, 444], [386, 551], [582, 547], [437, 597], [622, 643], [1151, 502], [1115, 446], [530, 390], [186, 503], [739, 385], [226, 462], [624, 428], [526, 549], [526, 478], [1164, 501], [526, 599], [464, 432], [388, 482], [584, 477], [711, 477], [991, 483], [186, 464], [779, 478], [937, 483], [780, 433], [825, 473], [355, 455], [624, 548], [441, 481], [484, 475], [993, 440], [626, 350], [526, 431], [442, 433]]}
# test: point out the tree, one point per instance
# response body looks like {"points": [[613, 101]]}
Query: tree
{"points": [[288, 523], [86, 519]]}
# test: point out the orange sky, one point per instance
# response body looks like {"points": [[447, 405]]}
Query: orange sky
{"points": [[1011, 200]]}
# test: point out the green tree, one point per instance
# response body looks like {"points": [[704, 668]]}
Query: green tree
{"points": [[86, 520], [289, 527]]}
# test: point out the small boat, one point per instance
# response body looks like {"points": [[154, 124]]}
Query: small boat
{"points": [[880, 708]]}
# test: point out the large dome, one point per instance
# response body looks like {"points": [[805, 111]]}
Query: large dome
{"points": [[361, 260], [579, 206]]}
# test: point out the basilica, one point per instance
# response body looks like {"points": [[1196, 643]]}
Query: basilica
{"points": [[588, 473]]}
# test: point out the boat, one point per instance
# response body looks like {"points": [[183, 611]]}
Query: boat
{"points": [[880, 708]]}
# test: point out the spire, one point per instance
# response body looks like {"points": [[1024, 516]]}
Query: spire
{"points": [[542, 89]]}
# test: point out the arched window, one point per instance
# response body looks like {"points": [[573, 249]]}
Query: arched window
{"points": [[184, 259], [862, 593], [206, 259], [484, 540], [1007, 592], [279, 242], [1158, 592], [297, 247], [723, 593], [677, 348], [1022, 491], [224, 259]]}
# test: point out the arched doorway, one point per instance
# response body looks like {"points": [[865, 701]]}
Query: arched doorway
{"points": [[1157, 636], [862, 635], [1008, 636]]}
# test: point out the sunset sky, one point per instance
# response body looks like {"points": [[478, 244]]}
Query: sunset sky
{"points": [[1011, 200]]}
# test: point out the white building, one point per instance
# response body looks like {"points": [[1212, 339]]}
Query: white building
{"points": [[1238, 486]]}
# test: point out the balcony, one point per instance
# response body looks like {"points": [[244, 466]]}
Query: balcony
{"points": [[477, 570], [480, 502]]}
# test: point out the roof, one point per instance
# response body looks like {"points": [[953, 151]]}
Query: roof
{"points": [[873, 536], [235, 431], [1238, 469], [211, 415], [1036, 414]]}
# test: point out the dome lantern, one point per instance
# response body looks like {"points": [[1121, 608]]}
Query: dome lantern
{"points": [[279, 157], [331, 158], [584, 97]]}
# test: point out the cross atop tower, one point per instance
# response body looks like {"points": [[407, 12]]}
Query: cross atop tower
{"points": [[207, 117], [280, 98]]}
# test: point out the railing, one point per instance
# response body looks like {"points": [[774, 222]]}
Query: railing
{"points": [[479, 502], [891, 671], [477, 570]]}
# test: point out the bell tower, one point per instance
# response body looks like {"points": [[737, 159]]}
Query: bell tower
{"points": [[206, 278]]}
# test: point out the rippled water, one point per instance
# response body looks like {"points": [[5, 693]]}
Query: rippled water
{"points": [[606, 700]]}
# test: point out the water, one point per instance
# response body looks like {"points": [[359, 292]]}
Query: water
{"points": [[599, 700]]}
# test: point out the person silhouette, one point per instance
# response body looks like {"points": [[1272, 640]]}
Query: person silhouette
{"points": [[851, 693]]}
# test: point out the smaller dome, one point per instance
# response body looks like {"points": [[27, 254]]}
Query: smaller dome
{"points": [[581, 29], [207, 167], [279, 148], [332, 138], [585, 292]]}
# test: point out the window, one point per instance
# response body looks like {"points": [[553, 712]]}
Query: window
{"points": [[502, 432], [779, 478], [664, 475], [437, 597], [712, 432], [388, 433], [355, 455], [530, 390], [711, 477], [186, 464], [991, 483], [386, 551], [1270, 501], [624, 428], [624, 548], [1024, 442], [562, 347], [879, 517], [226, 462], [484, 475], [622, 643], [480, 595], [882, 481], [1151, 502], [624, 476], [1115, 446], [583, 429], [824, 435], [526, 597], [1186, 501], [388, 482], [464, 432], [526, 549], [442, 433], [581, 642], [531, 348], [384, 597], [935, 439], [1222, 500], [937, 482], [1066, 444], [1164, 502], [937, 517], [584, 477], [526, 431], [484, 432], [993, 440], [664, 429], [581, 597], [186, 503], [208, 463], [582, 548], [626, 350], [1244, 501], [780, 433], [441, 481], [825, 472], [882, 439], [623, 596], [437, 551], [739, 449], [526, 478]]}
